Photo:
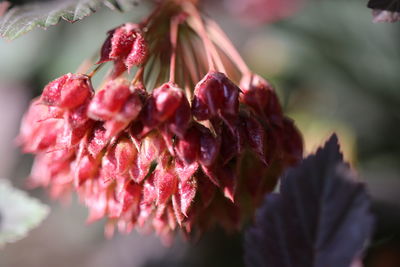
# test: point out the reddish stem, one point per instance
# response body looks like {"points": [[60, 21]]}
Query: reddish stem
{"points": [[175, 21], [226, 45]]}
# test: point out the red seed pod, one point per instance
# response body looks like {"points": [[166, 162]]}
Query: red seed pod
{"points": [[291, 142], [228, 178], [76, 126], [106, 48], [107, 102], [187, 191], [209, 147], [86, 168], [255, 136], [138, 53], [39, 131], [165, 182], [188, 147], [68, 91], [185, 171], [122, 40], [232, 143], [206, 188], [125, 153], [118, 106], [167, 99], [215, 95], [179, 122], [131, 198], [261, 97], [97, 140]]}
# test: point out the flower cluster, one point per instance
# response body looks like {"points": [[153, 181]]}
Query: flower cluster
{"points": [[155, 152]]}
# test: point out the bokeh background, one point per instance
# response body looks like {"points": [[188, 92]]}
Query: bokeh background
{"points": [[334, 70]]}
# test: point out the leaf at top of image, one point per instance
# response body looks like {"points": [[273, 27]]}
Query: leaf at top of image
{"points": [[19, 213], [19, 20], [320, 218], [385, 10]]}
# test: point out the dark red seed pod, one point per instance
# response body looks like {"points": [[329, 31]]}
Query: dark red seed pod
{"points": [[291, 142], [261, 97], [215, 95], [179, 122], [167, 99], [209, 147], [255, 136], [188, 147], [106, 48]]}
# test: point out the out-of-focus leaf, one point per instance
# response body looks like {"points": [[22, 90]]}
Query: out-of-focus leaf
{"points": [[320, 218], [22, 19], [19, 213], [385, 10]]}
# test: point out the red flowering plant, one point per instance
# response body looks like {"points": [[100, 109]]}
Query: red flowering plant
{"points": [[180, 135]]}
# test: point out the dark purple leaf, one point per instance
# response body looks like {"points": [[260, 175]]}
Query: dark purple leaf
{"points": [[320, 218]]}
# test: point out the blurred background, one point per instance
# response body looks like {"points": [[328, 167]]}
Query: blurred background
{"points": [[334, 70]]}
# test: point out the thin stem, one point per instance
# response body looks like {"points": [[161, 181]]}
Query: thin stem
{"points": [[189, 61], [175, 21], [138, 76], [226, 45], [95, 70], [200, 28], [85, 66]]}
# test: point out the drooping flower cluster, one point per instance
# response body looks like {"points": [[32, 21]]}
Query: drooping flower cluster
{"points": [[188, 150]]}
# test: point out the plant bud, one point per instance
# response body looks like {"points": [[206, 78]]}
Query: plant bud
{"points": [[68, 91], [188, 147], [167, 98], [139, 52], [107, 102], [215, 95], [261, 97]]}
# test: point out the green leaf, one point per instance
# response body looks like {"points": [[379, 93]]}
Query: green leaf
{"points": [[19, 213], [22, 19]]}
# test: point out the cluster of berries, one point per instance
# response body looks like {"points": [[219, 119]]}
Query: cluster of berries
{"points": [[179, 154]]}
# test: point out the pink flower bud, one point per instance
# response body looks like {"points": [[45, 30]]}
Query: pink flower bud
{"points": [[215, 95], [68, 91]]}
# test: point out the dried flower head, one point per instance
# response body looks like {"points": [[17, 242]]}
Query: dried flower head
{"points": [[189, 142]]}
